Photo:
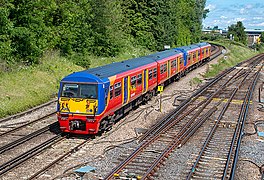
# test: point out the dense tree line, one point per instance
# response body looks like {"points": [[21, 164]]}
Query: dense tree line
{"points": [[99, 27]]}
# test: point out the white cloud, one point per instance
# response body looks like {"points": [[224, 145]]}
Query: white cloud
{"points": [[223, 17], [257, 24], [239, 19], [258, 18], [242, 11], [210, 7]]}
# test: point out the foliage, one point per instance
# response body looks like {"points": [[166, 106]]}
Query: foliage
{"points": [[237, 53], [81, 28], [237, 31], [262, 37]]}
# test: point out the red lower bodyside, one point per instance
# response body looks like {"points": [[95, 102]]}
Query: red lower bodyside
{"points": [[88, 124]]}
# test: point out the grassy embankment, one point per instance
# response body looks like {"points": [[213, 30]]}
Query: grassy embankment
{"points": [[236, 53], [27, 87]]}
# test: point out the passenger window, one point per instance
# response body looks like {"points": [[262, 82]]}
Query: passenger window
{"points": [[150, 74], [188, 57], [133, 81], [117, 89], [165, 67], [111, 92], [181, 60], [139, 79], [155, 72], [161, 69], [173, 64]]}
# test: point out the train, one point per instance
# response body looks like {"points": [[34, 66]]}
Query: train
{"points": [[91, 101]]}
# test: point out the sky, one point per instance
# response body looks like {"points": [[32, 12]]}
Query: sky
{"points": [[223, 13]]}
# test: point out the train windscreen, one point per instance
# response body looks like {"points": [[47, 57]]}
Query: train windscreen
{"points": [[79, 90]]}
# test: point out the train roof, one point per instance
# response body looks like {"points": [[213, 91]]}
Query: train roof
{"points": [[202, 44], [119, 67], [123, 66], [164, 54], [187, 48]]}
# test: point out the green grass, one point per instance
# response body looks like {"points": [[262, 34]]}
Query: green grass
{"points": [[26, 87], [238, 53], [195, 81], [29, 86]]}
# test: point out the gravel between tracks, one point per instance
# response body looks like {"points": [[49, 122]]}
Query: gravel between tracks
{"points": [[145, 116], [105, 152]]}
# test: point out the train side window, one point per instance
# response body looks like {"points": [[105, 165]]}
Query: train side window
{"points": [[117, 89], [150, 74], [111, 92], [173, 64], [161, 69], [133, 81], [188, 57], [155, 72], [165, 67], [181, 60], [106, 95], [139, 79]]}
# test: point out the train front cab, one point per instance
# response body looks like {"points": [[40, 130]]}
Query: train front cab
{"points": [[79, 107]]}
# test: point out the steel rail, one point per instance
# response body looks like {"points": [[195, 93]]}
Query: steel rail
{"points": [[243, 119], [26, 112], [7, 166], [164, 128], [26, 138], [38, 173], [167, 119], [31, 122], [178, 142], [216, 125]]}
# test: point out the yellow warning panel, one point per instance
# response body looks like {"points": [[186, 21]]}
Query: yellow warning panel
{"points": [[160, 88]]}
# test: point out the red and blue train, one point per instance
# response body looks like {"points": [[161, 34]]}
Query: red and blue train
{"points": [[92, 100]]}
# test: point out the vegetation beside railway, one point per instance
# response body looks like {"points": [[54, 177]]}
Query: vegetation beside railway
{"points": [[235, 53], [29, 86], [36, 84]]}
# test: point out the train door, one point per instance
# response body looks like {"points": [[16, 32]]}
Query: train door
{"points": [[169, 68], [125, 90], [145, 80]]}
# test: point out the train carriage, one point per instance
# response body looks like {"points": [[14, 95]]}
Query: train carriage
{"points": [[92, 100]]}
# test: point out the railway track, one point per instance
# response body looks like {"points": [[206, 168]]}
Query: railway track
{"points": [[213, 100], [44, 156], [15, 116]]}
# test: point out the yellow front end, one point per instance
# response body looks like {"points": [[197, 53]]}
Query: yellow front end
{"points": [[78, 105]]}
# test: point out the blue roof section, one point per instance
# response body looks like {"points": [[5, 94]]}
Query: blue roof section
{"points": [[82, 76], [187, 48], [164, 54], [120, 67], [202, 44]]}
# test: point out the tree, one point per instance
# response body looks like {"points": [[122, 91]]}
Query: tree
{"points": [[238, 32], [262, 37]]}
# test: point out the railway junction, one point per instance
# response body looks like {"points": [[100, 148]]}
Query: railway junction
{"points": [[210, 132]]}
